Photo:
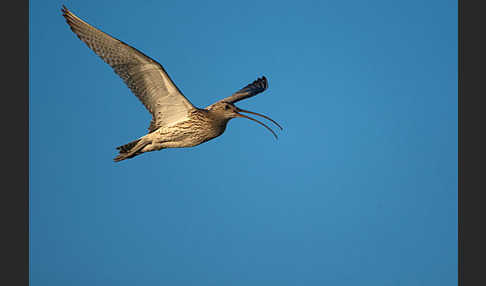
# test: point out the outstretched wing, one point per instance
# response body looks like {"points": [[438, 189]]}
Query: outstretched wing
{"points": [[145, 77], [250, 90]]}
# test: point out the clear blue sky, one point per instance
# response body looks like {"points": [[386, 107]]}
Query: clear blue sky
{"points": [[360, 189]]}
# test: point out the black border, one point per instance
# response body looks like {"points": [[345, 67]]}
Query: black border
{"points": [[15, 145], [472, 143]]}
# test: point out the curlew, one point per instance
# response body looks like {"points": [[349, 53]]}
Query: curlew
{"points": [[176, 123]]}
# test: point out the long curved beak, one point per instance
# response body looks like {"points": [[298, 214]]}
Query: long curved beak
{"points": [[264, 116], [257, 121]]}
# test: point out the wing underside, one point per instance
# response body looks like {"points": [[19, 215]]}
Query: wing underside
{"points": [[145, 77]]}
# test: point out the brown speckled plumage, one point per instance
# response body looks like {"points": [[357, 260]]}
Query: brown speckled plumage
{"points": [[176, 123]]}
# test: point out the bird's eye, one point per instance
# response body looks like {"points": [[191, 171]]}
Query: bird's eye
{"points": [[226, 107]]}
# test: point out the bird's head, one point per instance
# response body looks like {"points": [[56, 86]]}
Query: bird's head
{"points": [[229, 111]]}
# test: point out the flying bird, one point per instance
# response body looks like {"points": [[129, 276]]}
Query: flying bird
{"points": [[176, 123]]}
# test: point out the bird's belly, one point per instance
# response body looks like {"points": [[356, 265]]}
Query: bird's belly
{"points": [[184, 136]]}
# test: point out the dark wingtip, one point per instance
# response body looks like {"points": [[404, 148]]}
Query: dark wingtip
{"points": [[261, 83], [66, 14], [266, 81], [64, 10]]}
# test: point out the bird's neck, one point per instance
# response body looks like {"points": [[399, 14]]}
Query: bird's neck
{"points": [[215, 119]]}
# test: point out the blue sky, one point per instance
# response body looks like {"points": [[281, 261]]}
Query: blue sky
{"points": [[360, 189]]}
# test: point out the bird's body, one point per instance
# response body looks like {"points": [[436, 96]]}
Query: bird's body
{"points": [[176, 123], [199, 127]]}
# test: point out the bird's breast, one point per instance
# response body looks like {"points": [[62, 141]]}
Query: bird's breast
{"points": [[197, 129]]}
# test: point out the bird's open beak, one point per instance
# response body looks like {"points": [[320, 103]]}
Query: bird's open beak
{"points": [[264, 116]]}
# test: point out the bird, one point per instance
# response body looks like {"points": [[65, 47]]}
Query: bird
{"points": [[176, 122]]}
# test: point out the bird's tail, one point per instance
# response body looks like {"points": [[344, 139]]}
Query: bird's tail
{"points": [[127, 147], [130, 150]]}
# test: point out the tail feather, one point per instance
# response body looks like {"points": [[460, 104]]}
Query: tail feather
{"points": [[123, 156], [129, 150], [127, 147]]}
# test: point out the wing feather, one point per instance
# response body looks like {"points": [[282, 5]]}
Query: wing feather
{"points": [[252, 89], [145, 77]]}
